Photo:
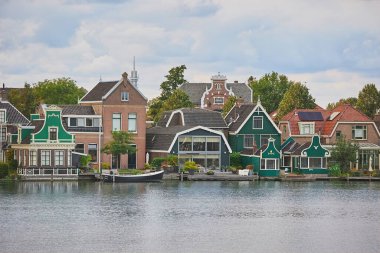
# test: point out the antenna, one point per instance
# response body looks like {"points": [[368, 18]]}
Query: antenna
{"points": [[134, 77]]}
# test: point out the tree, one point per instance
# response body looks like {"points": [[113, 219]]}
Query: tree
{"points": [[170, 97], [58, 91], [351, 100], [173, 80], [24, 99], [343, 153], [297, 96], [271, 89], [121, 144], [231, 101], [369, 100]]}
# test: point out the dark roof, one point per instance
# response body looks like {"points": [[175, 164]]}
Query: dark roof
{"points": [[101, 89], [14, 116], [310, 116], [160, 138], [195, 91], [193, 117], [294, 148], [38, 124], [238, 114], [77, 110]]}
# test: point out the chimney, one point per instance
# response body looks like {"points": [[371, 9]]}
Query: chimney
{"points": [[236, 81], [125, 77], [239, 101], [376, 118]]}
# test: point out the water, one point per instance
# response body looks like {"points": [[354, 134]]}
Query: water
{"points": [[190, 217]]}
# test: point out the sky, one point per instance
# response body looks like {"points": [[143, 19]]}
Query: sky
{"points": [[332, 46]]}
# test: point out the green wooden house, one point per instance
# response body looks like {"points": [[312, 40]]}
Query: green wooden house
{"points": [[44, 147], [306, 158], [251, 130]]}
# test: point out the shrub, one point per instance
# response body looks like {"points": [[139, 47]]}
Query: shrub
{"points": [[3, 170], [210, 172], [172, 160], [106, 166], [334, 171], [234, 170], [356, 174], [235, 159], [156, 162], [147, 166], [189, 165]]}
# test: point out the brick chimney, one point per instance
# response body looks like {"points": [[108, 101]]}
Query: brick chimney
{"points": [[376, 119], [125, 78]]}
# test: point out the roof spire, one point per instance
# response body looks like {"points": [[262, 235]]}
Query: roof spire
{"points": [[258, 100], [134, 77], [100, 79]]}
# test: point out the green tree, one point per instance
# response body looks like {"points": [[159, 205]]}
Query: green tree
{"points": [[351, 100], [369, 100], [297, 96], [178, 99], [174, 79], [170, 97], [231, 101], [24, 99], [343, 153], [271, 89], [120, 144], [58, 91]]}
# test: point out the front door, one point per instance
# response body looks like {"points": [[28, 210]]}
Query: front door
{"points": [[132, 160], [116, 161]]}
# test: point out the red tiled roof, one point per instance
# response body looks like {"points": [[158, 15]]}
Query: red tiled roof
{"points": [[342, 113]]}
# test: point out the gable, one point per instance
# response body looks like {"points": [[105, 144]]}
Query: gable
{"points": [[315, 149], [134, 96], [271, 152]]}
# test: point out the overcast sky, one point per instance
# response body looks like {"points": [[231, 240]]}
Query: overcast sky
{"points": [[333, 46]]}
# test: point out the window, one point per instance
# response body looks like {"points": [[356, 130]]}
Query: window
{"points": [[93, 152], [73, 122], [248, 141], [116, 122], [80, 122], [96, 122], [213, 143], [88, 122], [199, 143], [79, 148], [315, 162], [257, 122], [269, 164], [32, 158], [338, 134], [219, 101], [218, 86], [304, 162], [53, 134], [184, 143], [45, 158], [58, 157], [69, 158], [264, 139], [3, 134], [2, 116], [124, 96], [359, 132], [306, 128], [132, 122]]}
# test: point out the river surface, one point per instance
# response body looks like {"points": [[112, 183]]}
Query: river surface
{"points": [[190, 217]]}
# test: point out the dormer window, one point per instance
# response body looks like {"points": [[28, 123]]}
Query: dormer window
{"points": [[306, 128], [124, 96], [53, 134], [218, 86], [3, 116]]}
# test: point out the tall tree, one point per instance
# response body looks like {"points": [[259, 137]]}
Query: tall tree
{"points": [[343, 153], [231, 101], [271, 89], [58, 91], [369, 100], [297, 96], [120, 144], [170, 98], [174, 79], [351, 100], [24, 99]]}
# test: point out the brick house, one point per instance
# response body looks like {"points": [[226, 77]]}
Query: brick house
{"points": [[214, 95], [122, 107], [344, 120]]}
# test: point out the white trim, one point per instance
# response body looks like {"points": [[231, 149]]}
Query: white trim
{"points": [[116, 85], [81, 116], [269, 141], [5, 115], [253, 122], [215, 103], [356, 123], [172, 114], [250, 115], [121, 96], [97, 101], [250, 155], [310, 123], [16, 110], [206, 92], [97, 149], [205, 129], [157, 150]]}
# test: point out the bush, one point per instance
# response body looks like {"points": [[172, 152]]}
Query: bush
{"points": [[210, 172], [233, 169], [235, 159], [189, 165], [147, 166], [356, 174], [334, 171], [106, 166], [3, 170], [156, 162]]}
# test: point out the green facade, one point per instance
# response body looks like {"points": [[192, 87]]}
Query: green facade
{"points": [[315, 149]]}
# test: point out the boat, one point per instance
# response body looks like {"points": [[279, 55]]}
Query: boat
{"points": [[147, 177]]}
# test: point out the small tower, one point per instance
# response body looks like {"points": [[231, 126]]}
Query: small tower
{"points": [[134, 77]]}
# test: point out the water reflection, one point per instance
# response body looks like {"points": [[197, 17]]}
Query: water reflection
{"points": [[189, 217]]}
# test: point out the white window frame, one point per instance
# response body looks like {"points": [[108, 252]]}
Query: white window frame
{"points": [[276, 163], [56, 132], [219, 103], [124, 96], [69, 158], [364, 131], [32, 157], [246, 137], [5, 115], [302, 125], [253, 122], [113, 117], [49, 158], [96, 151], [2, 133], [60, 154], [129, 120], [218, 86]]}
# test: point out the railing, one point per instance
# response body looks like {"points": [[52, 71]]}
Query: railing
{"points": [[35, 171]]}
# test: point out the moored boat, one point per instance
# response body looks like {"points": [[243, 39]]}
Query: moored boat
{"points": [[147, 177]]}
